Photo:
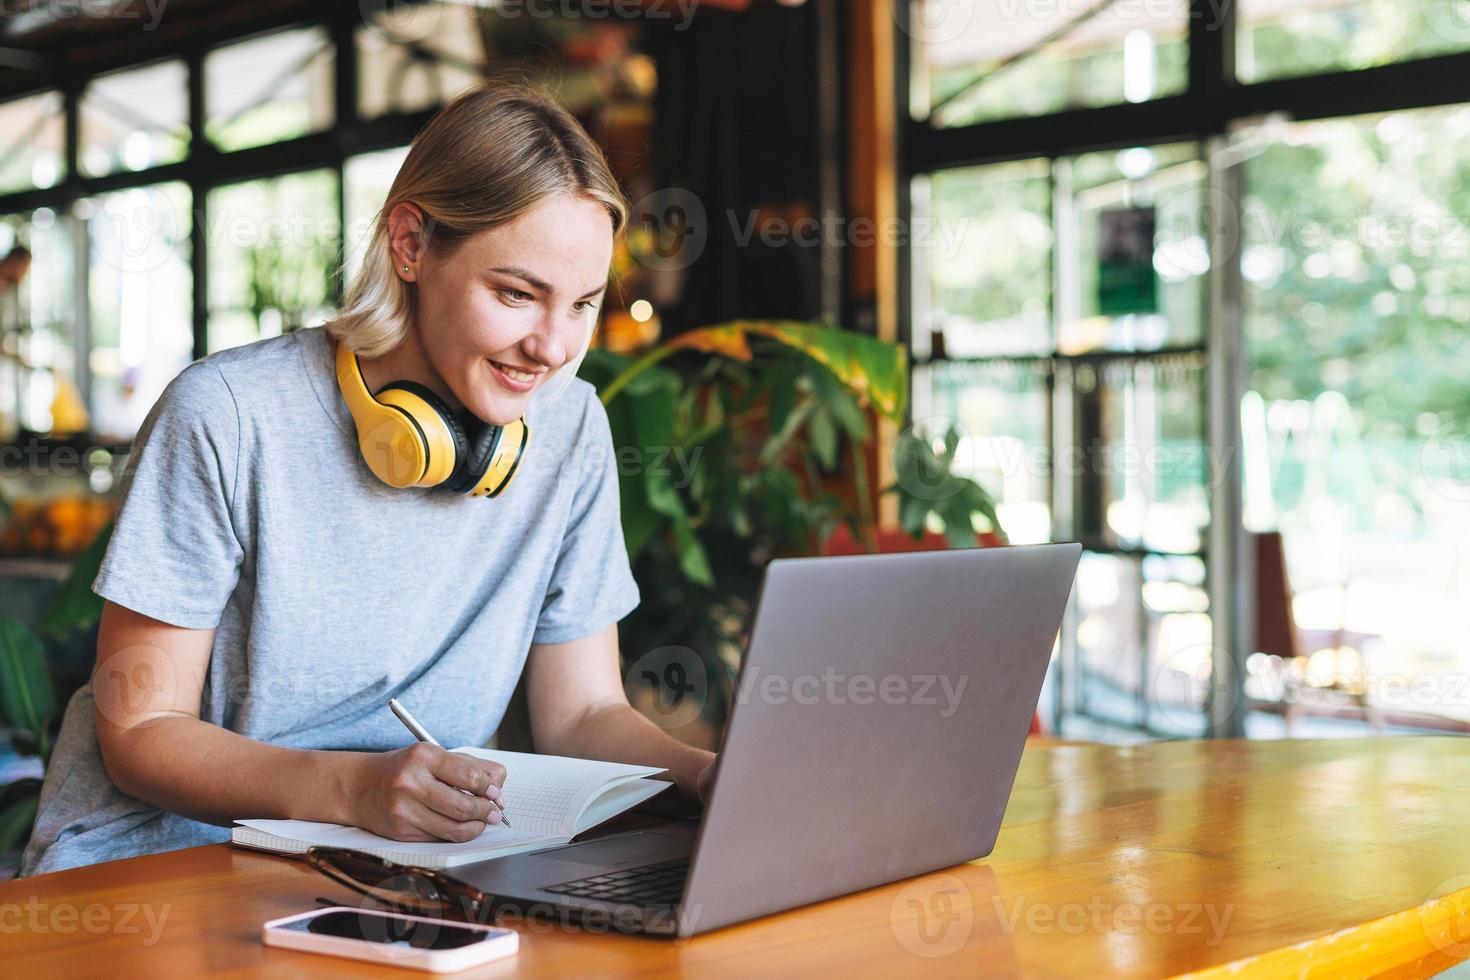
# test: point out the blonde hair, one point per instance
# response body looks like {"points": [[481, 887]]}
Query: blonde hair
{"points": [[486, 157]]}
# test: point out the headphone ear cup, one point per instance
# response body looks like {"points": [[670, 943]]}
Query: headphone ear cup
{"points": [[451, 434], [482, 441]]}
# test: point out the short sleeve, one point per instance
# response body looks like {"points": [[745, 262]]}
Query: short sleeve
{"points": [[174, 554], [592, 583]]}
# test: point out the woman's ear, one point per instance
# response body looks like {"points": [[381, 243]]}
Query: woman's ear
{"points": [[405, 239]]}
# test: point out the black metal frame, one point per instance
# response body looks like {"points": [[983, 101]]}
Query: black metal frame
{"points": [[1214, 101], [205, 168]]}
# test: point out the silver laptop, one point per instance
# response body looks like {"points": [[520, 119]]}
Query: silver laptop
{"points": [[877, 727]]}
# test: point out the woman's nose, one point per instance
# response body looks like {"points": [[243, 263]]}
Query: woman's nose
{"points": [[546, 345]]}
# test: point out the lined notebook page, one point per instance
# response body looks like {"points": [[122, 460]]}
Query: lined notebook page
{"points": [[543, 797], [546, 793], [336, 835]]}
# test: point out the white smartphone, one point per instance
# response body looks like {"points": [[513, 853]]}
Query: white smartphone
{"points": [[414, 941]]}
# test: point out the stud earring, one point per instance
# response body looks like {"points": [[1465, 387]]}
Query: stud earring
{"points": [[405, 270]]}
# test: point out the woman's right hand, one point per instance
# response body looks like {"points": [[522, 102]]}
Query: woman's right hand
{"points": [[413, 793]]}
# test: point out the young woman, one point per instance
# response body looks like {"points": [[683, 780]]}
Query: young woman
{"points": [[290, 552]]}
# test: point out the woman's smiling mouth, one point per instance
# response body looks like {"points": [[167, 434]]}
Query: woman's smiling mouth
{"points": [[514, 378]]}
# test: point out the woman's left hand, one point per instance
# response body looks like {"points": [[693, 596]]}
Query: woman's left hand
{"points": [[706, 780]]}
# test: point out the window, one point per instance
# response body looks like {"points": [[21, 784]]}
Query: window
{"points": [[369, 177], [38, 370], [1356, 259], [268, 89], [979, 60], [140, 296], [1279, 38], [415, 56], [32, 142], [1065, 304], [135, 119], [987, 262], [273, 251]]}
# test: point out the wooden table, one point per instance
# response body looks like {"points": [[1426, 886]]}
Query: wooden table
{"points": [[1311, 858]]}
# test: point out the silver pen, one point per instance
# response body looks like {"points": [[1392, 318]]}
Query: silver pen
{"points": [[422, 734]]}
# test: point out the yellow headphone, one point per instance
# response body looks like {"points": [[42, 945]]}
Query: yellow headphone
{"points": [[409, 438]]}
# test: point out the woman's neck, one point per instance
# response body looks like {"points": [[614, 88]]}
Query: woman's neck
{"points": [[406, 362]]}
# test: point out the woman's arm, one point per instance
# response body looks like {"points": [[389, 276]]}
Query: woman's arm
{"points": [[578, 708], [155, 747]]}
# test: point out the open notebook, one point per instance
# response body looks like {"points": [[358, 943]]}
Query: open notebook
{"points": [[549, 798]]}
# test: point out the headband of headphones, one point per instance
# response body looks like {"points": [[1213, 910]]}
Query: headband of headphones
{"points": [[409, 437]]}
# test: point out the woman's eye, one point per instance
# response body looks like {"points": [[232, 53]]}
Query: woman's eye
{"points": [[584, 305], [515, 295]]}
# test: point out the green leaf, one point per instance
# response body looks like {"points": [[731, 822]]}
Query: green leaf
{"points": [[783, 393], [75, 606], [824, 438], [16, 821], [27, 699]]}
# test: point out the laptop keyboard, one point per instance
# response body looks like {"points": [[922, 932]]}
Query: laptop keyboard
{"points": [[651, 885]]}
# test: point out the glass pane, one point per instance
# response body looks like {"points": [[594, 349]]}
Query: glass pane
{"points": [[416, 56], [980, 60], [1143, 639], [989, 262], [141, 300], [1001, 411], [1153, 467], [1356, 429], [269, 89], [1140, 278], [1279, 38], [136, 119], [369, 178], [32, 142], [272, 257], [38, 371]]}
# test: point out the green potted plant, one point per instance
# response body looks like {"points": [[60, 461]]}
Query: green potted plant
{"points": [[756, 450], [30, 708]]}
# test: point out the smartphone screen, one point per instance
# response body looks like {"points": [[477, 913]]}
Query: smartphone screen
{"points": [[390, 930]]}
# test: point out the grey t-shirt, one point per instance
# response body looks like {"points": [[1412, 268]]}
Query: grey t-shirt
{"points": [[246, 507]]}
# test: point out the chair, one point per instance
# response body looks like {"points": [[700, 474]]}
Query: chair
{"points": [[1292, 648]]}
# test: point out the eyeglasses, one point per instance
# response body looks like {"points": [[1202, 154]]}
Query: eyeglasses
{"points": [[405, 888]]}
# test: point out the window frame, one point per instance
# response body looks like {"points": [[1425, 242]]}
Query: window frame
{"points": [[1214, 102], [205, 168]]}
